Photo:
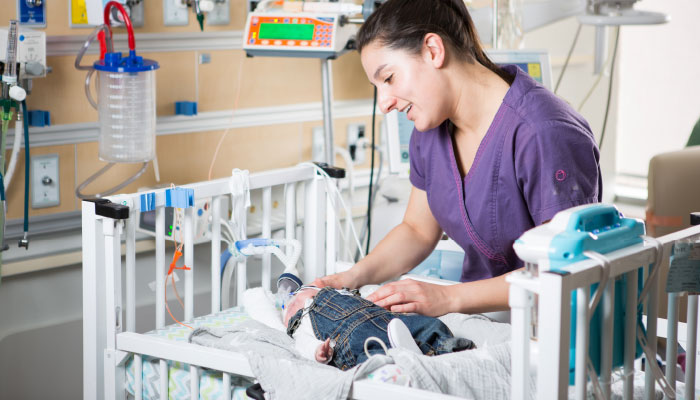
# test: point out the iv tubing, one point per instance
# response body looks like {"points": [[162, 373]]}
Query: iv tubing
{"points": [[107, 192], [127, 23]]}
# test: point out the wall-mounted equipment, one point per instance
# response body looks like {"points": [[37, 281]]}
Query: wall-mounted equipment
{"points": [[175, 13], [13, 106], [32, 13], [86, 13], [214, 12], [45, 181], [31, 52]]}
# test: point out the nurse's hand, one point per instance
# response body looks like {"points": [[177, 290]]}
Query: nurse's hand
{"points": [[345, 279], [410, 296]]}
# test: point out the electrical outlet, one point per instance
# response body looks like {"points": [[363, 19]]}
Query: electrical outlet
{"points": [[318, 141], [44, 181], [175, 13], [220, 15], [355, 132]]}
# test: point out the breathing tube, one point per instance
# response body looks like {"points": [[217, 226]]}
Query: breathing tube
{"points": [[288, 282]]}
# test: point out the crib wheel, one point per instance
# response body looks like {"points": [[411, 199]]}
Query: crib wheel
{"points": [[255, 392]]}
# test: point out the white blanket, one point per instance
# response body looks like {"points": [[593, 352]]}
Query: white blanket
{"points": [[482, 373]]}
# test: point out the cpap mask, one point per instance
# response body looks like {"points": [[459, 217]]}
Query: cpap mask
{"points": [[288, 283]]}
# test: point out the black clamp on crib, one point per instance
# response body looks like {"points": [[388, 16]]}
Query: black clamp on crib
{"points": [[695, 218], [255, 392], [333, 172], [106, 208]]}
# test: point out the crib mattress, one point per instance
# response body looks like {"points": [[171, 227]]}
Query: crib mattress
{"points": [[210, 382]]}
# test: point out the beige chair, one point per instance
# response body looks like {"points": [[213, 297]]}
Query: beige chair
{"points": [[674, 190]]}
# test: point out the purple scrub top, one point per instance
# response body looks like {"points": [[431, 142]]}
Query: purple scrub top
{"points": [[538, 157]]}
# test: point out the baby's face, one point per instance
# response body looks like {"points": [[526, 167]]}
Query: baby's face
{"points": [[297, 303]]}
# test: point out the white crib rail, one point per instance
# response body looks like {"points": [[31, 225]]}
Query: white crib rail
{"points": [[105, 349], [554, 324]]}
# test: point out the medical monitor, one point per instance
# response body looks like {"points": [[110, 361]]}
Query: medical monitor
{"points": [[398, 128]]}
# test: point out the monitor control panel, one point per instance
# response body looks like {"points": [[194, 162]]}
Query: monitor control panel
{"points": [[296, 35]]}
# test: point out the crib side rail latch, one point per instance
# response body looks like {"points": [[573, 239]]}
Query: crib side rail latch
{"points": [[107, 209]]}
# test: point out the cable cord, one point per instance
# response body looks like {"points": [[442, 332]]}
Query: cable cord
{"points": [[351, 178], [330, 184], [371, 173], [568, 57], [610, 85], [233, 113], [26, 169], [375, 190]]}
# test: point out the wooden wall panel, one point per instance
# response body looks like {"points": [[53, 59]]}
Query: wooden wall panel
{"points": [[219, 80], [62, 92], [175, 79]]}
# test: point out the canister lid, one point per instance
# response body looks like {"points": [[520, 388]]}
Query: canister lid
{"points": [[114, 62]]}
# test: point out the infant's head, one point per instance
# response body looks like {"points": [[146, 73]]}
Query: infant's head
{"points": [[296, 303]]}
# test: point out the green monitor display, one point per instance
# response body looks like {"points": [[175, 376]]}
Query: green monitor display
{"points": [[286, 31]]}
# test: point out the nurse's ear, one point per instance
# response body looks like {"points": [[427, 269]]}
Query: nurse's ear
{"points": [[434, 50]]}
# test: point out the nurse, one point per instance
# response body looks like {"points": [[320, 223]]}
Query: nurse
{"points": [[493, 154]]}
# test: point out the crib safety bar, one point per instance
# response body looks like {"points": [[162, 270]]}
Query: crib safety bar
{"points": [[104, 310], [553, 323]]}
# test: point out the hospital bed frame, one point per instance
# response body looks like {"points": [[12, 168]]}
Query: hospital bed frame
{"points": [[553, 325], [109, 337]]}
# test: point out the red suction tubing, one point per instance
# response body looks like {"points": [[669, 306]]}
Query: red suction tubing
{"points": [[127, 22]]}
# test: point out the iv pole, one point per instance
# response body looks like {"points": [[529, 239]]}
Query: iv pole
{"points": [[327, 100]]}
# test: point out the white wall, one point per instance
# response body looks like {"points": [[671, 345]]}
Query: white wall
{"points": [[659, 86]]}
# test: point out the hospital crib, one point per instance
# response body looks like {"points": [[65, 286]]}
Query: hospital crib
{"points": [[542, 313], [111, 347]]}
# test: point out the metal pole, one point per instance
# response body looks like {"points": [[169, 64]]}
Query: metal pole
{"points": [[494, 25], [327, 85]]}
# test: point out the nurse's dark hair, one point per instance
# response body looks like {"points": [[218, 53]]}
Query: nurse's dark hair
{"points": [[403, 24]]}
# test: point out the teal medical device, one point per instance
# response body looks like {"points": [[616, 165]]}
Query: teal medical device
{"points": [[561, 242]]}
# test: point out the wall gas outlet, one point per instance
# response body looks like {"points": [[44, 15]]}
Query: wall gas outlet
{"points": [[175, 13], [355, 132], [44, 181], [220, 15]]}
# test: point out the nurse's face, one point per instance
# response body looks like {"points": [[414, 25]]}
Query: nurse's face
{"points": [[410, 83]]}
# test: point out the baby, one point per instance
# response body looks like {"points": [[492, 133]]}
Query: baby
{"points": [[333, 326]]}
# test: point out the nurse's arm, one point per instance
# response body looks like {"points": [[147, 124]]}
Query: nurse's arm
{"points": [[410, 296], [401, 250]]}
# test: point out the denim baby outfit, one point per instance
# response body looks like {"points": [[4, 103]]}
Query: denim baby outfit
{"points": [[349, 319]]}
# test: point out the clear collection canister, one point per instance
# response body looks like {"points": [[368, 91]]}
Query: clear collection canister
{"points": [[126, 88]]}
